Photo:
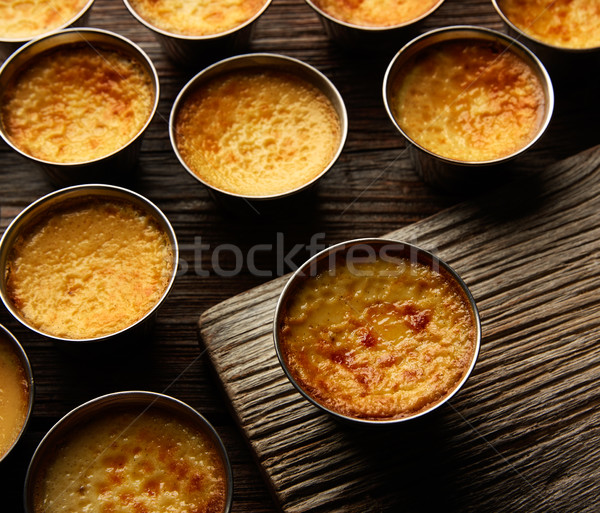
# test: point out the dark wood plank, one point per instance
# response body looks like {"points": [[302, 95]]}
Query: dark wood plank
{"points": [[522, 433], [372, 189]]}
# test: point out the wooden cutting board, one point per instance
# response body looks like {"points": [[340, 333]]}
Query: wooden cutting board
{"points": [[523, 433]]}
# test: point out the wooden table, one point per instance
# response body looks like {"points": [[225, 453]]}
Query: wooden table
{"points": [[372, 190]]}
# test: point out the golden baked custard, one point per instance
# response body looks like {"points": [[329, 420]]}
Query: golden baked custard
{"points": [[197, 18], [378, 340], [31, 18], [468, 100], [564, 23], [123, 462], [257, 133], [14, 396], [376, 13], [77, 104], [89, 269]]}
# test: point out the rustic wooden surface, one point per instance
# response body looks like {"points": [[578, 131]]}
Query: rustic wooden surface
{"points": [[521, 435], [372, 190]]}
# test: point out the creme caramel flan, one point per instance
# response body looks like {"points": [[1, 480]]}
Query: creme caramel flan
{"points": [[381, 339], [77, 103], [257, 133], [89, 269], [26, 20], [123, 462], [470, 100], [376, 13], [198, 18], [14, 395], [571, 24]]}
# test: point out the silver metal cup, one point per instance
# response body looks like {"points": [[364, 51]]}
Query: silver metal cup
{"points": [[140, 329], [448, 173], [564, 64], [18, 350], [117, 167], [194, 51], [261, 61], [367, 39], [363, 249], [8, 44], [136, 401]]}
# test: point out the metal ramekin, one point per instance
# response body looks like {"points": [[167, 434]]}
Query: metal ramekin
{"points": [[22, 356], [117, 167], [561, 61], [192, 51], [9, 45], [127, 400], [357, 37], [262, 61], [139, 330], [449, 173], [368, 249]]}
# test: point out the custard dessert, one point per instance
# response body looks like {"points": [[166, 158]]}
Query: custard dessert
{"points": [[14, 395], [257, 133], [77, 103], [25, 20], [376, 13], [198, 18], [89, 268], [571, 24], [125, 462], [379, 340], [468, 100]]}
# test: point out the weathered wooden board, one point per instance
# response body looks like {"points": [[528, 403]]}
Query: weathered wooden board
{"points": [[521, 436], [372, 189]]}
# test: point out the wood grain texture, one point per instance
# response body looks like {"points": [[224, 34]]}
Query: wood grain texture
{"points": [[522, 434], [372, 189]]}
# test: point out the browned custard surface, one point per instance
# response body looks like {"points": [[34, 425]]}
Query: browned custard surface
{"points": [[129, 463], [14, 395], [27, 19], [564, 23], [257, 133], [77, 103], [379, 340], [197, 18], [376, 13], [89, 269], [468, 100]]}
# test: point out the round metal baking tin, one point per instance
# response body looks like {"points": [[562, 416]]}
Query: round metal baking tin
{"points": [[9, 44], [559, 59], [116, 167], [325, 260], [261, 61], [368, 38], [191, 51], [451, 173], [22, 356], [120, 401], [39, 208]]}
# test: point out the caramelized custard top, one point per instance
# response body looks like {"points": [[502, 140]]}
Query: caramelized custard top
{"points": [[468, 100], [378, 340]]}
